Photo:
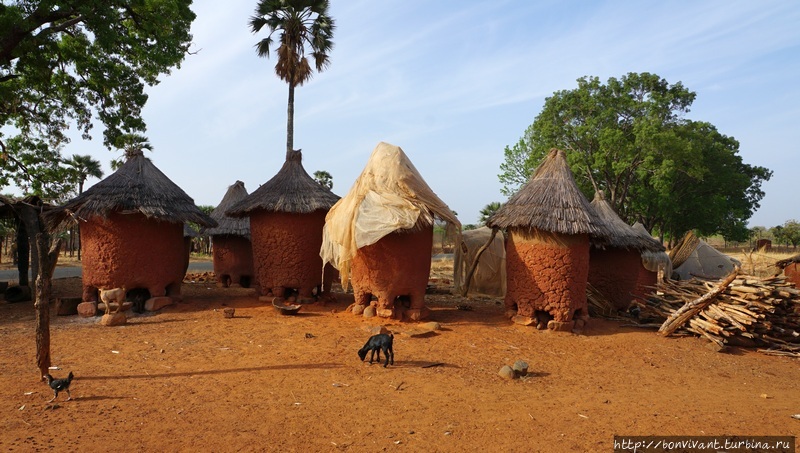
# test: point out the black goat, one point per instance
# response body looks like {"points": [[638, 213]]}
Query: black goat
{"points": [[375, 344]]}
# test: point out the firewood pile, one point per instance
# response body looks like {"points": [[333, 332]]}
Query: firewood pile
{"points": [[739, 310]]}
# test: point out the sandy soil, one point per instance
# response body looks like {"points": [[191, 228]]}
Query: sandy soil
{"points": [[188, 379]]}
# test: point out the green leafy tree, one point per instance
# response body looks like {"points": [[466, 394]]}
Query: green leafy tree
{"points": [[628, 138], [61, 62], [488, 211], [791, 232], [301, 25], [324, 178], [777, 233]]}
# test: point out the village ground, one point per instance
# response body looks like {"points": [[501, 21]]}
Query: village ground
{"points": [[188, 379]]}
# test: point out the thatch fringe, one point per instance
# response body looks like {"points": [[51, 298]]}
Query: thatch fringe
{"points": [[291, 190], [136, 187]]}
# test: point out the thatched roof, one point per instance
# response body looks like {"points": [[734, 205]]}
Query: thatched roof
{"points": [[229, 225], [639, 229], [189, 232], [782, 264], [622, 236], [290, 190], [550, 201], [136, 187]]}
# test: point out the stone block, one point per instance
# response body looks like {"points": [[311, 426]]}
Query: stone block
{"points": [[87, 309], [556, 326], [157, 303], [114, 319]]}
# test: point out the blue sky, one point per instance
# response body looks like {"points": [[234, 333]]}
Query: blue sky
{"points": [[454, 82]]}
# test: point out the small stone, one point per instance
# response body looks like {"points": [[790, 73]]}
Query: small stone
{"points": [[375, 330], [369, 312], [87, 309], [229, 312], [358, 309], [430, 326], [520, 368], [507, 372], [385, 312], [557, 326]]}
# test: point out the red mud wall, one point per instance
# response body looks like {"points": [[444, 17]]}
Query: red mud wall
{"points": [[397, 265], [233, 259], [547, 272], [132, 251], [614, 272], [286, 251], [645, 282], [792, 272]]}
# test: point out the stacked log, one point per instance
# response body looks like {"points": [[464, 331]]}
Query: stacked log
{"points": [[745, 311]]}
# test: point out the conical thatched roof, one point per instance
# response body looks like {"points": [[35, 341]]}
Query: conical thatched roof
{"points": [[230, 225], [550, 201], [639, 229], [622, 235], [136, 187], [290, 190]]}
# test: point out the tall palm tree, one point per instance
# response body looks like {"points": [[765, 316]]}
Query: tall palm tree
{"points": [[489, 211], [82, 166], [300, 23]]}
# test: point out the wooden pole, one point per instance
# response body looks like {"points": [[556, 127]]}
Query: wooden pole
{"points": [[680, 316]]}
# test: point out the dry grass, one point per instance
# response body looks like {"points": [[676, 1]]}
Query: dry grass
{"points": [[760, 263]]}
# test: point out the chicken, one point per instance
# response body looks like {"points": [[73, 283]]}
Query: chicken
{"points": [[59, 384]]}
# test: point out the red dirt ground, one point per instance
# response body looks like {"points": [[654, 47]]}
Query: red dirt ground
{"points": [[188, 379]]}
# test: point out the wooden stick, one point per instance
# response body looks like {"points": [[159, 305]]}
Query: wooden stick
{"points": [[683, 314]]}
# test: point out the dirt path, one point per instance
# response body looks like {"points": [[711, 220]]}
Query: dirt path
{"points": [[186, 378]]}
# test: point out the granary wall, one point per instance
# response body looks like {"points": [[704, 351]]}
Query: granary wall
{"points": [[615, 273], [547, 272], [792, 272], [645, 282], [131, 251], [399, 264], [286, 251], [233, 259]]}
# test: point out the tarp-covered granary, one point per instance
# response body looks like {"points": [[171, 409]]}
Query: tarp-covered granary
{"points": [[380, 235]]}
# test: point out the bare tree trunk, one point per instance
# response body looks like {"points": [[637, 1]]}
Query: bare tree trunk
{"points": [[23, 253], [44, 261], [290, 123]]}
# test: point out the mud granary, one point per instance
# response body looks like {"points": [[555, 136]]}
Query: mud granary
{"points": [[286, 215]]}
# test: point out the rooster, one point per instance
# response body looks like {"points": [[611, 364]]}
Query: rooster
{"points": [[59, 384]]}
